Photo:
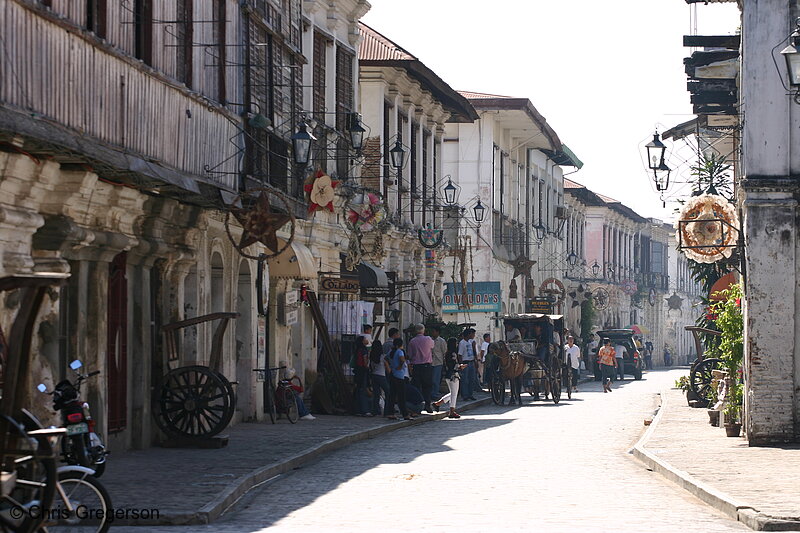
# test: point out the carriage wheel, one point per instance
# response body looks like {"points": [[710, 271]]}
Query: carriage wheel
{"points": [[498, 390], [34, 466], [568, 380], [555, 380], [700, 377], [195, 401]]}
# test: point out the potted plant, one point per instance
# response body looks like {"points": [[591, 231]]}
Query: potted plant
{"points": [[733, 426]]}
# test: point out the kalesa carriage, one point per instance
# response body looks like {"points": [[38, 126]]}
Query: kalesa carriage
{"points": [[534, 364]]}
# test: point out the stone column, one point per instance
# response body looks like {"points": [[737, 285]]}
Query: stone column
{"points": [[772, 413]]}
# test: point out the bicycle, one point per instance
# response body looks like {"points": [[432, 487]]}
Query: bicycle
{"points": [[279, 399]]}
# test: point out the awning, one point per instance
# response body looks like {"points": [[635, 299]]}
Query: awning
{"points": [[370, 276], [294, 262]]}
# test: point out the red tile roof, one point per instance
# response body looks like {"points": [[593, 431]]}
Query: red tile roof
{"points": [[480, 96], [377, 47], [569, 184]]}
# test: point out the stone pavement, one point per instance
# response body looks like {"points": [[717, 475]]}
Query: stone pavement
{"points": [[539, 467], [194, 486], [758, 486]]}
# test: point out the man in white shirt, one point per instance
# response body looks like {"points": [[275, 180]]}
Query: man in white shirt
{"points": [[484, 362], [621, 351], [466, 352], [512, 333], [572, 357]]}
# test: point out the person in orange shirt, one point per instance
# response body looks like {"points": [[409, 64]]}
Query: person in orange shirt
{"points": [[608, 363]]}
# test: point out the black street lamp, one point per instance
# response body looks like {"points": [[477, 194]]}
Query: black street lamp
{"points": [[356, 131], [301, 144], [541, 232], [655, 161], [572, 259], [792, 56], [450, 192], [596, 268], [398, 154], [655, 152], [479, 211]]}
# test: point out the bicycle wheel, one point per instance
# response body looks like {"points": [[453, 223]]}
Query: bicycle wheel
{"points": [[555, 381], [88, 509], [290, 406], [568, 381], [34, 466]]}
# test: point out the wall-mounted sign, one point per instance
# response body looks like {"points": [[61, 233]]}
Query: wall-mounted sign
{"points": [[261, 342], [481, 296], [345, 285], [381, 292], [262, 287], [291, 296], [290, 317], [540, 305]]}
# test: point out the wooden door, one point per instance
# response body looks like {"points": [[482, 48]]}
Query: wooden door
{"points": [[117, 349]]}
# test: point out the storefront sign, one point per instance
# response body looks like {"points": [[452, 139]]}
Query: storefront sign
{"points": [[292, 296], [482, 296], [345, 285], [541, 306], [290, 317], [261, 342], [381, 292]]}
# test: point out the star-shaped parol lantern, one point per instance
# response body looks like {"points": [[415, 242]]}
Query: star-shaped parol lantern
{"points": [[579, 295], [321, 192], [522, 266], [674, 302], [260, 224]]}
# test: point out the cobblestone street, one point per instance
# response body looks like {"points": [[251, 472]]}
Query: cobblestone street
{"points": [[538, 467]]}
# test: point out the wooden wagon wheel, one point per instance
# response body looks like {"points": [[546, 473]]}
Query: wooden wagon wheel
{"points": [[195, 401], [700, 377]]}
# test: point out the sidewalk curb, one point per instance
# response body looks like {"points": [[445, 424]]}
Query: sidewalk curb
{"points": [[238, 488], [719, 500]]}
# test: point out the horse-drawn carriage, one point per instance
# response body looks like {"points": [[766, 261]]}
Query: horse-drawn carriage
{"points": [[532, 358]]}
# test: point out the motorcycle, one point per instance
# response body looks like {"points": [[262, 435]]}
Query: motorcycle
{"points": [[81, 445]]}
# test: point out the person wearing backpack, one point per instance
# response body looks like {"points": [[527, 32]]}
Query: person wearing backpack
{"points": [[399, 376], [361, 377]]}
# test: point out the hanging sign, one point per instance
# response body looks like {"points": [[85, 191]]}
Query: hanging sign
{"points": [[541, 306], [482, 296], [343, 285]]}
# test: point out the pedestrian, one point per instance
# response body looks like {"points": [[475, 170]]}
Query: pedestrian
{"points": [[377, 368], [466, 351], [648, 355], [572, 357], [591, 357], [488, 360], [667, 356], [452, 369], [608, 362], [439, 351], [399, 368], [367, 332], [420, 355], [361, 377], [621, 352], [415, 403]]}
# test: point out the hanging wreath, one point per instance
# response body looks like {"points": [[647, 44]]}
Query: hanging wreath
{"points": [[600, 298], [629, 287], [320, 192], [708, 228], [430, 238], [260, 223], [555, 287], [366, 212]]}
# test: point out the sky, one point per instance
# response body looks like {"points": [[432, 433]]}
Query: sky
{"points": [[605, 75]]}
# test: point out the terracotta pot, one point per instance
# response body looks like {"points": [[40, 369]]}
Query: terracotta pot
{"points": [[733, 430], [713, 417]]}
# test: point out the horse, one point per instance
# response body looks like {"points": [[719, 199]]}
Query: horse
{"points": [[511, 366]]}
